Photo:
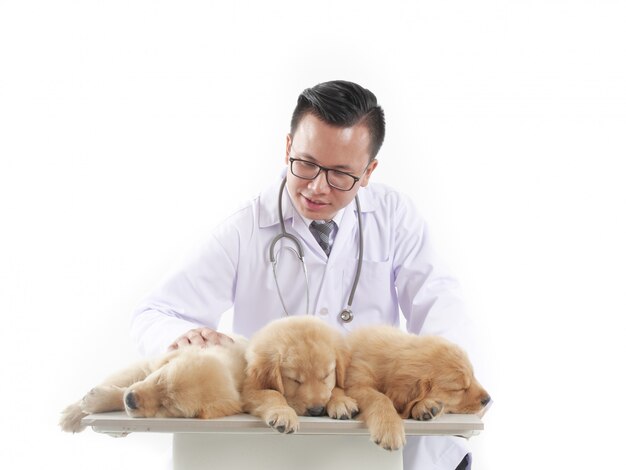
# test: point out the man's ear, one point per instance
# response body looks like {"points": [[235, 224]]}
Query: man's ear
{"points": [[370, 169], [288, 148]]}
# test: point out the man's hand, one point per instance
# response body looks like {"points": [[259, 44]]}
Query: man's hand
{"points": [[200, 337]]}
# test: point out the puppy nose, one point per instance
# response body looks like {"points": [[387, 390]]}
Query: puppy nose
{"points": [[485, 400], [316, 411], [130, 401]]}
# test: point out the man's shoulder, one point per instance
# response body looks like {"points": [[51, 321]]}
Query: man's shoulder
{"points": [[256, 211], [384, 197], [381, 189], [239, 223]]}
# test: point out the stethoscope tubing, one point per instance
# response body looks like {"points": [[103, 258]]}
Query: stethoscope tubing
{"points": [[360, 261], [346, 314]]}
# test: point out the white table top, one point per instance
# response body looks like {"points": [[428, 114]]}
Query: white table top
{"points": [[120, 424]]}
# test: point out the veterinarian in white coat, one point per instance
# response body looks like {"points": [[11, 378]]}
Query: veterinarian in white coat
{"points": [[400, 273]]}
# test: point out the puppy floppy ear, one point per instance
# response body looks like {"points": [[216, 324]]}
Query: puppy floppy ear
{"points": [[342, 360], [420, 392], [424, 386], [264, 370]]}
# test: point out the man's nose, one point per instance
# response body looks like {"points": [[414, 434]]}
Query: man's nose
{"points": [[319, 184]]}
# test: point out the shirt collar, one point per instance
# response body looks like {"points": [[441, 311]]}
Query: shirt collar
{"points": [[268, 204]]}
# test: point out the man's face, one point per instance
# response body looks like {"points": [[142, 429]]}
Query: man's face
{"points": [[340, 148]]}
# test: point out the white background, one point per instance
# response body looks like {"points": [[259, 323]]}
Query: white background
{"points": [[129, 128]]}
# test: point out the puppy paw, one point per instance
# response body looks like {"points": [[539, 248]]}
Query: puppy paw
{"points": [[388, 432], [342, 407], [103, 398], [71, 418], [283, 419], [426, 410], [220, 408]]}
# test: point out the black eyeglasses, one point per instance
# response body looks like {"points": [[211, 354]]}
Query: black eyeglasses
{"points": [[308, 171]]}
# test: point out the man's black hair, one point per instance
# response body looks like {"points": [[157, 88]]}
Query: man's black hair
{"points": [[343, 104]]}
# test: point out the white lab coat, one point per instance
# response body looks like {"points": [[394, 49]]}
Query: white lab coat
{"points": [[400, 273]]}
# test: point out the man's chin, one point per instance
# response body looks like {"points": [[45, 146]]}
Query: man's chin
{"points": [[323, 214], [314, 211]]}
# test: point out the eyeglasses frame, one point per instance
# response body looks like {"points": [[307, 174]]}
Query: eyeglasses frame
{"points": [[321, 168]]}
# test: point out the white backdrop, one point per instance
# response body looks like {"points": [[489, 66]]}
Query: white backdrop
{"points": [[129, 128]]}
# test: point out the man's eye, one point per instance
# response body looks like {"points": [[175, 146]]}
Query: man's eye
{"points": [[308, 166]]}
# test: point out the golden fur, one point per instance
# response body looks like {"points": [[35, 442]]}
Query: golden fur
{"points": [[190, 382], [395, 375], [296, 367]]}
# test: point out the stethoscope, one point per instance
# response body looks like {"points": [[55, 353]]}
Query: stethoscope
{"points": [[346, 314]]}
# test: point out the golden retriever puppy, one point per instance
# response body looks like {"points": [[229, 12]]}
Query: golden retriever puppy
{"points": [[190, 382], [395, 375], [296, 367]]}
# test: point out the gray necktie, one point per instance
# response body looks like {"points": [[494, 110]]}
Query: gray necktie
{"points": [[323, 229]]}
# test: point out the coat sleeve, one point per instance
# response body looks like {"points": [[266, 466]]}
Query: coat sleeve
{"points": [[428, 294], [195, 295]]}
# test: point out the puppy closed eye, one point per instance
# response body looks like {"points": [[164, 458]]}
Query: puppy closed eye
{"points": [[296, 381]]}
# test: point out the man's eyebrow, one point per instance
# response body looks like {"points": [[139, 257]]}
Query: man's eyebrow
{"points": [[345, 168]]}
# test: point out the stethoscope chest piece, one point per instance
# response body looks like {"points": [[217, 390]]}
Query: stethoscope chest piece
{"points": [[346, 315]]}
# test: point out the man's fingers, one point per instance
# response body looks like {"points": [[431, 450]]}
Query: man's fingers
{"points": [[213, 337], [200, 337], [195, 338]]}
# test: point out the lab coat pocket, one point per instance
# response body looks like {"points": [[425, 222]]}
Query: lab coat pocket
{"points": [[373, 271], [374, 293]]}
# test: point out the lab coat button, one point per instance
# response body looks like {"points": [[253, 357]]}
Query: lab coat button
{"points": [[324, 311]]}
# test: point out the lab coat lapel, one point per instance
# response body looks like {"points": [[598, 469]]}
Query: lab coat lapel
{"points": [[268, 216], [302, 229], [268, 205], [344, 240], [346, 235]]}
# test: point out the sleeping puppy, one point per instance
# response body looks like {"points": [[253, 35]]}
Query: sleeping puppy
{"points": [[395, 375], [296, 367], [190, 382]]}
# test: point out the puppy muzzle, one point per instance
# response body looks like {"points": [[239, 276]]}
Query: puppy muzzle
{"points": [[130, 402], [316, 411]]}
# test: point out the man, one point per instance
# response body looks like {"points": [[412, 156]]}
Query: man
{"points": [[337, 129]]}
